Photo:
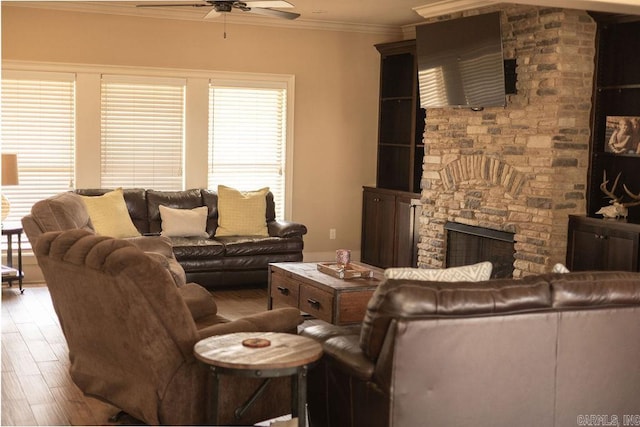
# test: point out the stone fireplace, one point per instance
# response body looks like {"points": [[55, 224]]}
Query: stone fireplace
{"points": [[521, 169]]}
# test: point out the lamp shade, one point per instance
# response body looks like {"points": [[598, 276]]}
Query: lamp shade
{"points": [[9, 169]]}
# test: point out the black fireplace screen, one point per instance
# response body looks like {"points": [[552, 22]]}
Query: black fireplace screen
{"points": [[469, 245]]}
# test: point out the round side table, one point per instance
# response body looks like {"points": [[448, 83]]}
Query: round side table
{"points": [[286, 355]]}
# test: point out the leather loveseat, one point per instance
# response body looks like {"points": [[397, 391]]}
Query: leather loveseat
{"points": [[210, 261], [548, 350]]}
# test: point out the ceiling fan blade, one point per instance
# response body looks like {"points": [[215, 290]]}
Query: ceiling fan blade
{"points": [[174, 5], [278, 4], [212, 14], [272, 12]]}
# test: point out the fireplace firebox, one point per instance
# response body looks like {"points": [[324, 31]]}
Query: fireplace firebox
{"points": [[467, 244]]}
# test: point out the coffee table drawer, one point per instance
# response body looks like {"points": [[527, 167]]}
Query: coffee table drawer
{"points": [[285, 290], [317, 303]]}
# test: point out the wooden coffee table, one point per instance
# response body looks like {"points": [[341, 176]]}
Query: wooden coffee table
{"points": [[334, 300]]}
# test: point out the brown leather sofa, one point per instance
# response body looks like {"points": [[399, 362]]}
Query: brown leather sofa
{"points": [[211, 262], [131, 332], [547, 350]]}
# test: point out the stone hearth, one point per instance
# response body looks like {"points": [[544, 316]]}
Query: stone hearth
{"points": [[520, 169]]}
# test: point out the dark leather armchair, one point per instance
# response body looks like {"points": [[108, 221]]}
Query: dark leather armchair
{"points": [[131, 332], [539, 351]]}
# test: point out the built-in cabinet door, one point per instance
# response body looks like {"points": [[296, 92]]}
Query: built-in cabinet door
{"points": [[620, 253], [378, 215], [591, 259], [390, 231], [600, 244], [406, 231]]}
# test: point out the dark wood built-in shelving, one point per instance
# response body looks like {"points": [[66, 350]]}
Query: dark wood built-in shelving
{"points": [[596, 243], [616, 93], [390, 210], [401, 120]]}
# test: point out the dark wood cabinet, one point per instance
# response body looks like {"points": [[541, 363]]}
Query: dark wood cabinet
{"points": [[389, 228], [389, 210], [378, 213], [602, 244]]}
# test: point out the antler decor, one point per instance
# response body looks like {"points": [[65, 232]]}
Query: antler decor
{"points": [[618, 208]]}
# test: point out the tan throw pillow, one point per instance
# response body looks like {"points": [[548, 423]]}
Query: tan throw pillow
{"points": [[109, 215], [242, 213], [468, 273], [184, 222]]}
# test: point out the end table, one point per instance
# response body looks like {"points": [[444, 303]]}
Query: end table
{"points": [[9, 273], [287, 354]]}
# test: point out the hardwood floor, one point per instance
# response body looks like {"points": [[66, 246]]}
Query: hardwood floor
{"points": [[36, 386]]}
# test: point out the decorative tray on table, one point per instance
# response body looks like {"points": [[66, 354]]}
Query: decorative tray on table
{"points": [[350, 271]]}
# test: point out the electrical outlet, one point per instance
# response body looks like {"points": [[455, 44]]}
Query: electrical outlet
{"points": [[332, 233]]}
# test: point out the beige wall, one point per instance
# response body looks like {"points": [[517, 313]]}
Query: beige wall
{"points": [[336, 89]]}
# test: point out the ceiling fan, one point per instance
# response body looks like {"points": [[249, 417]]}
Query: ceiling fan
{"points": [[259, 7]]}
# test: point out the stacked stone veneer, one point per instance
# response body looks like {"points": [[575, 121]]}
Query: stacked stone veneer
{"points": [[522, 168]]}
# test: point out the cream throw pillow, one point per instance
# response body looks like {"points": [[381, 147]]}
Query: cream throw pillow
{"points": [[242, 213], [109, 215], [468, 273], [184, 222], [559, 268]]}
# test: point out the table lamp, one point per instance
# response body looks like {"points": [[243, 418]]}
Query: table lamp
{"points": [[9, 177]]}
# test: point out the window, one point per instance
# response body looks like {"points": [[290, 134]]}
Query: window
{"points": [[247, 137], [142, 132], [38, 123], [133, 128]]}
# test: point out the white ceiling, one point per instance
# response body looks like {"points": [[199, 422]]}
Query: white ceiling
{"points": [[355, 15]]}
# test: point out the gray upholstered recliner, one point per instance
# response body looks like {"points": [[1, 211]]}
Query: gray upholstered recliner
{"points": [[131, 333]]}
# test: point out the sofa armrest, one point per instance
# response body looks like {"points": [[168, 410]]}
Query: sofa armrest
{"points": [[162, 247], [344, 351], [199, 301], [279, 320], [158, 244], [286, 229], [325, 331], [341, 345]]}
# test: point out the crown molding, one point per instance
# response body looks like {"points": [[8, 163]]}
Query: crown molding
{"points": [[631, 7], [195, 14], [446, 7]]}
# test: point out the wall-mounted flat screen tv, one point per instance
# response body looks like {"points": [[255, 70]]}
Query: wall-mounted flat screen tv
{"points": [[460, 62]]}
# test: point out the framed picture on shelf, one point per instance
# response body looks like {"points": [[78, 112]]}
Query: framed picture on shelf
{"points": [[622, 135]]}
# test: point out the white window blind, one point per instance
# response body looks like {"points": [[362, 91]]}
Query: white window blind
{"points": [[142, 132], [38, 123], [247, 138]]}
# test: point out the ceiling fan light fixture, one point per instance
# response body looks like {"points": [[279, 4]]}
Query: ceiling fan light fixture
{"points": [[260, 7], [223, 6]]}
